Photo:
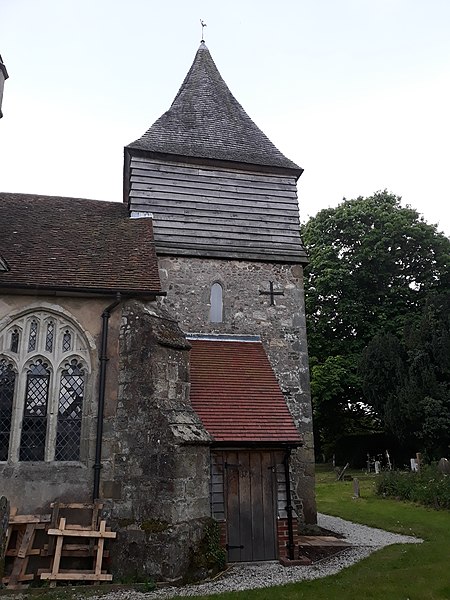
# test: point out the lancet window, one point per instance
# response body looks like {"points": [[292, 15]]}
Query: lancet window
{"points": [[216, 303]]}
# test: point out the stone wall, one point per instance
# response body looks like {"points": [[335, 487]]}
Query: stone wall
{"points": [[158, 475], [282, 328]]}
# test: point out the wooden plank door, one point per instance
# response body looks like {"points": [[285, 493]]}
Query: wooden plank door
{"points": [[250, 489]]}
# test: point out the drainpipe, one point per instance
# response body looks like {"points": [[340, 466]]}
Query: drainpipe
{"points": [[103, 359], [290, 545]]}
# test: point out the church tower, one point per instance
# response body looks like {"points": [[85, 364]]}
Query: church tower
{"points": [[226, 226]]}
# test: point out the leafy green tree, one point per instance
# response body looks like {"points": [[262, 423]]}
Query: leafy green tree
{"points": [[373, 265]]}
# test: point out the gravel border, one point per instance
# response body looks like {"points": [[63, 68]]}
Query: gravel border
{"points": [[247, 576]]}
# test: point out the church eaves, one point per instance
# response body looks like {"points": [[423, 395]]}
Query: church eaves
{"points": [[206, 121]]}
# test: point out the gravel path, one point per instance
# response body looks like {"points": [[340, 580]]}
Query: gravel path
{"points": [[248, 576]]}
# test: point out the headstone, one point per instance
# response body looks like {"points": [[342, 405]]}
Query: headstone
{"points": [[355, 487], [341, 474], [414, 465], [377, 467], [444, 466], [388, 458], [419, 460]]}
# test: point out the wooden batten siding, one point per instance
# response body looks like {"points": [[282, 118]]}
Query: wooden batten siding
{"points": [[217, 487], [217, 212]]}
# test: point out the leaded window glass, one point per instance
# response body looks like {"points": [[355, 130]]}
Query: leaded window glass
{"points": [[34, 424], [70, 407], [7, 383], [67, 341], [42, 387], [33, 336], [49, 336], [14, 340]]}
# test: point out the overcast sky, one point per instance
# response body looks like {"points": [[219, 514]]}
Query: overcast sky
{"points": [[357, 92]]}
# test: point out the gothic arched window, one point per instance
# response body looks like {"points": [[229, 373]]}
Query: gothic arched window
{"points": [[34, 422], [70, 408], [216, 302], [7, 385], [44, 364]]}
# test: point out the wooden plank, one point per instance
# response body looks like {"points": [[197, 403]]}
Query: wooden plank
{"points": [[225, 235], [27, 540], [224, 215], [31, 552], [26, 577], [53, 524], [210, 179], [250, 246], [100, 547], [322, 541], [176, 198], [58, 548], [268, 499], [77, 505], [204, 207], [167, 248], [82, 533], [148, 191], [24, 539], [209, 188], [24, 519], [257, 507], [77, 576], [232, 514], [187, 168], [220, 225]]}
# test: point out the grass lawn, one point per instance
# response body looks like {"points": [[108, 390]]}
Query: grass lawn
{"points": [[401, 572]]}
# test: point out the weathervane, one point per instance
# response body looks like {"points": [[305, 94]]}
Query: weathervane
{"points": [[203, 26]]}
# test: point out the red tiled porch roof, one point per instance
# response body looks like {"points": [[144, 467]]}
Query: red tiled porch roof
{"points": [[236, 395]]}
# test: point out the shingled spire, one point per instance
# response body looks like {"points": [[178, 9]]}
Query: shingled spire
{"points": [[206, 121]]}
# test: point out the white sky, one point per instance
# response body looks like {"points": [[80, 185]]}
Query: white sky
{"points": [[357, 92]]}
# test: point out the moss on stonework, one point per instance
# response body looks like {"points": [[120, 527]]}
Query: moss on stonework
{"points": [[149, 526], [154, 526], [210, 557], [123, 523]]}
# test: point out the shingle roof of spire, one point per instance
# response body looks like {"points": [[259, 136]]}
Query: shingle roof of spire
{"points": [[206, 121]]}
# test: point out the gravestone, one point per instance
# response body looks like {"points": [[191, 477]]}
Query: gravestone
{"points": [[356, 493], [444, 466]]}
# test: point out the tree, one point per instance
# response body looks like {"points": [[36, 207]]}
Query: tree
{"points": [[407, 379], [373, 265]]}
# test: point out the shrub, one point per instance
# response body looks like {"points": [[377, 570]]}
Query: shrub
{"points": [[428, 487]]}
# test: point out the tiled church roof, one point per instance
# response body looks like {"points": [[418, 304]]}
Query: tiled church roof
{"points": [[206, 121], [48, 242], [236, 395]]}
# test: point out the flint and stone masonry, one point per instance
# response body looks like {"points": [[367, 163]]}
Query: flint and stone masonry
{"points": [[282, 328], [159, 472]]}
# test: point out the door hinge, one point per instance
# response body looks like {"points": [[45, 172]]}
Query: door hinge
{"points": [[230, 547]]}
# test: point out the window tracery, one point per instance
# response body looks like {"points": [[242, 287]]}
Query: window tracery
{"points": [[43, 376]]}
